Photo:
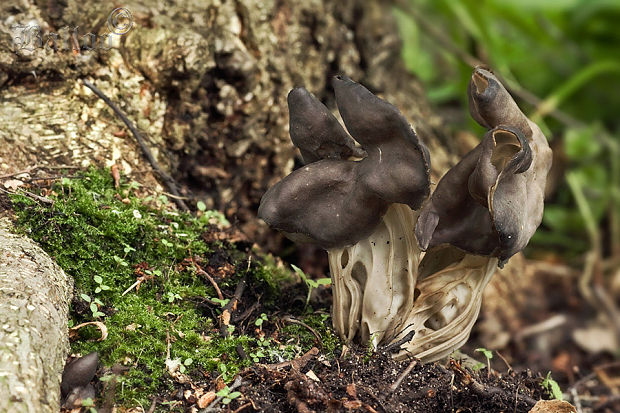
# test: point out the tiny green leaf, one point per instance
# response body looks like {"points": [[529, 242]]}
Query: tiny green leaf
{"points": [[552, 387], [487, 353]]}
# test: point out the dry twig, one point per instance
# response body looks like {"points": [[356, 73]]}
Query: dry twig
{"points": [[316, 335], [297, 363], [168, 180], [230, 307], [403, 375], [213, 406]]}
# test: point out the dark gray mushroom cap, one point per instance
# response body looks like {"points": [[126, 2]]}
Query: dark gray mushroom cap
{"points": [[491, 105], [491, 202], [79, 372], [322, 203], [397, 169], [337, 202], [316, 131]]}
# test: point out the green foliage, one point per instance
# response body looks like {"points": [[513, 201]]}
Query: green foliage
{"points": [[227, 395], [488, 354], [310, 283], [568, 53], [552, 387], [260, 320], [103, 237], [300, 338]]}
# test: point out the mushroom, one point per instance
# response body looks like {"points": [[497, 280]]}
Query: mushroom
{"points": [[406, 268], [491, 202], [76, 377]]}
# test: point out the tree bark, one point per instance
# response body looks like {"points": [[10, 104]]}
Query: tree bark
{"points": [[34, 300]]}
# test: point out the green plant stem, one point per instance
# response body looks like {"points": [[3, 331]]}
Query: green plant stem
{"points": [[573, 84]]}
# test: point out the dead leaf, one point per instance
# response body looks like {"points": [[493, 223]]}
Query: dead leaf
{"points": [[312, 375], [13, 184], [206, 399], [553, 406], [596, 339], [116, 175], [351, 390], [352, 404], [225, 317]]}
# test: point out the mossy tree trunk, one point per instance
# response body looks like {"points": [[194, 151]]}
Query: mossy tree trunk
{"points": [[206, 81]]}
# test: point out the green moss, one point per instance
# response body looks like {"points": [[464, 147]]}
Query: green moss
{"points": [[304, 338], [106, 238]]}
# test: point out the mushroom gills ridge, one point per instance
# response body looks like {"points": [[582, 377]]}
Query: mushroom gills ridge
{"points": [[381, 293], [373, 280]]}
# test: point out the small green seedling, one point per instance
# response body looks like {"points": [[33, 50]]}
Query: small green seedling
{"points": [[310, 283], [173, 296], [128, 249], [207, 216], [260, 320], [222, 303], [94, 305], [552, 387], [90, 404], [489, 355], [257, 355], [100, 285], [185, 364], [227, 395], [120, 261]]}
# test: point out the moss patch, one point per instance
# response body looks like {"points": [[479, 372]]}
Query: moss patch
{"points": [[109, 239]]}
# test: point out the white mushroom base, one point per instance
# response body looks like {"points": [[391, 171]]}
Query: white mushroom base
{"points": [[382, 290]]}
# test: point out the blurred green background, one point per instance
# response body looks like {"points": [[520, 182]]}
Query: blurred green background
{"points": [[561, 61]]}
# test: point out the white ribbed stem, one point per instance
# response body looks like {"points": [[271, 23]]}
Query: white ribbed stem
{"points": [[373, 281], [378, 298]]}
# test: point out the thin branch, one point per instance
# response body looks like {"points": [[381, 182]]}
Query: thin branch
{"points": [[297, 363], [229, 308], [168, 180], [316, 335], [402, 376], [205, 274]]}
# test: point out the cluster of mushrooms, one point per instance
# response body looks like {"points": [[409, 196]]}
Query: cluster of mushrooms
{"points": [[408, 267]]}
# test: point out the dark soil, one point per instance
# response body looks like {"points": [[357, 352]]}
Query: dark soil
{"points": [[362, 382]]}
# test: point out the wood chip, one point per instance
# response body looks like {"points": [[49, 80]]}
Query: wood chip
{"points": [[351, 390], [104, 330], [206, 399]]}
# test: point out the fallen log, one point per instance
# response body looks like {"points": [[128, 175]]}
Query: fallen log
{"points": [[34, 304]]}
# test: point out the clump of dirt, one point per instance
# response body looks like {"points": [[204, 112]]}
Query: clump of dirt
{"points": [[366, 382]]}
